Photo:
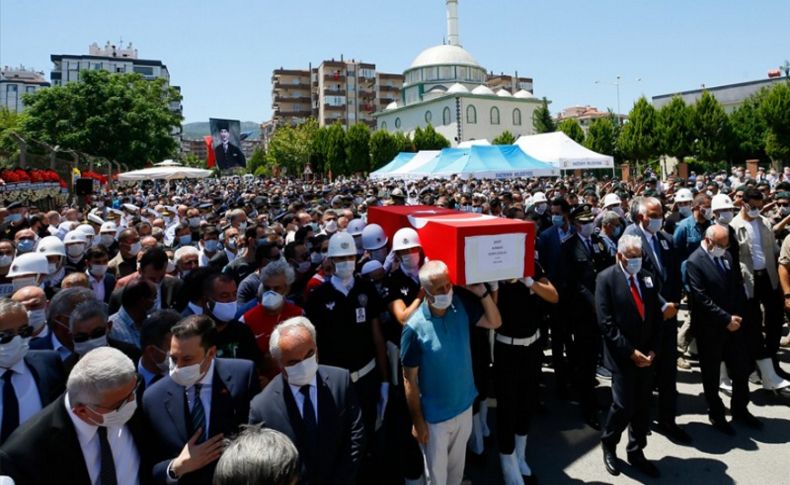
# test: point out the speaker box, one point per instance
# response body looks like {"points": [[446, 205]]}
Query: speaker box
{"points": [[83, 186]]}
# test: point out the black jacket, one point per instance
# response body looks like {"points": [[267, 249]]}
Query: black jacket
{"points": [[713, 297], [233, 158]]}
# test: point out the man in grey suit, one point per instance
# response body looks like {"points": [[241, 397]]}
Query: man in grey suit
{"points": [[314, 405]]}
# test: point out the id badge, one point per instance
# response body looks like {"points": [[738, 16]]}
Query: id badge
{"points": [[664, 245], [361, 318], [648, 282]]}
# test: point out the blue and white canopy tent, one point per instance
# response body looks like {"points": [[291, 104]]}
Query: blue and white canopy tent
{"points": [[400, 160], [564, 153]]}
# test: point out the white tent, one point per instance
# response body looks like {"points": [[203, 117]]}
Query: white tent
{"points": [[164, 172], [472, 143], [558, 149], [411, 169]]}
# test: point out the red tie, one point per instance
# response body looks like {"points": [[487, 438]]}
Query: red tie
{"points": [[637, 299]]}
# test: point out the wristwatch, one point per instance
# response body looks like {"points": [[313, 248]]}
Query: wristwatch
{"points": [[488, 292]]}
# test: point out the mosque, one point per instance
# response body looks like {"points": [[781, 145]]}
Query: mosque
{"points": [[446, 87]]}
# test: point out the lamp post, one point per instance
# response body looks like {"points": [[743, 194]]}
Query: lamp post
{"points": [[617, 82]]}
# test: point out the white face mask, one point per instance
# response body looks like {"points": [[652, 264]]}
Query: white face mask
{"points": [[654, 225], [633, 265], [706, 213], [330, 226], [5, 260], [75, 250], [344, 269], [271, 300], [684, 210], [725, 217], [25, 281], [106, 240], [717, 251], [37, 318], [164, 366], [119, 417], [13, 351], [587, 229], [302, 373], [185, 376], [98, 270], [82, 348], [442, 302], [224, 312], [134, 249], [410, 261], [753, 213], [52, 268]]}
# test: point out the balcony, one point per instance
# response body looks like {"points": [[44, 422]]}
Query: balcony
{"points": [[292, 99], [334, 92], [302, 84], [338, 78], [331, 107]]}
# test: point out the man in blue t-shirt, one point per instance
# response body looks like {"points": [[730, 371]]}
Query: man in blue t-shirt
{"points": [[437, 368]]}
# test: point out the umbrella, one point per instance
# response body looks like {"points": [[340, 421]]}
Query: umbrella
{"points": [[167, 172]]}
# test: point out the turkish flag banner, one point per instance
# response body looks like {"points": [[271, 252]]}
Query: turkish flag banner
{"points": [[210, 160]]}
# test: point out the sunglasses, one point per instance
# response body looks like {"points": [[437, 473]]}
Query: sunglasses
{"points": [[9, 335], [84, 337]]}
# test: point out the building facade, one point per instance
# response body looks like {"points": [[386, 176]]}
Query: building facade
{"points": [[14, 82], [730, 96], [585, 115]]}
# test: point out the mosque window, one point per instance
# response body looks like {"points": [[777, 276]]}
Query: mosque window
{"points": [[383, 125], [516, 117], [428, 116], [494, 115], [446, 116], [397, 123], [446, 72], [471, 114]]}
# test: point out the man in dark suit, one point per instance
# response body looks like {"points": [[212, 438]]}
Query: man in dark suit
{"points": [[629, 315], [226, 153], [203, 400], [717, 301], [31, 380], [660, 258], [153, 267], [102, 282], [155, 334], [314, 405], [91, 434]]}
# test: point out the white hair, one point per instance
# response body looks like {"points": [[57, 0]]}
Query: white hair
{"points": [[288, 327], [100, 370], [8, 307], [646, 201], [430, 271], [628, 242], [277, 268], [258, 456], [184, 251]]}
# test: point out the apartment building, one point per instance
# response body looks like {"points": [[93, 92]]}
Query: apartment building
{"points": [[16, 81]]}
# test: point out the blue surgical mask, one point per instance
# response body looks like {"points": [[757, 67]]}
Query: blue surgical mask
{"points": [[25, 245], [654, 225], [617, 231], [184, 240], [633, 265], [557, 221], [13, 218], [211, 245]]}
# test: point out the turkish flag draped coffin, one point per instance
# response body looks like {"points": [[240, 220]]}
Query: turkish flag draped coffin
{"points": [[477, 248]]}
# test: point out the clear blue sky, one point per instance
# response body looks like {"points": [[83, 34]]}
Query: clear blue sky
{"points": [[222, 52]]}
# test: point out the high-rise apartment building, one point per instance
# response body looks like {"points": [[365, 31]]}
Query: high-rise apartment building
{"points": [[14, 82]]}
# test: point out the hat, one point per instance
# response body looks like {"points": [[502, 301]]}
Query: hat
{"points": [[397, 193], [582, 214], [131, 207], [222, 125], [370, 267], [95, 219]]}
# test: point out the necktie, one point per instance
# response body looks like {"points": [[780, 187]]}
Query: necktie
{"points": [[198, 415], [657, 250], [308, 417], [637, 298], [589, 246], [720, 265], [10, 407], [107, 472]]}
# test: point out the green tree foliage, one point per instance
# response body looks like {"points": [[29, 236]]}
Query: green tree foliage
{"points": [[383, 148], [336, 150], [258, 159], [318, 150], [358, 148], [542, 120], [675, 129], [775, 110], [10, 122], [288, 149], [192, 160], [572, 128], [122, 117], [504, 138], [748, 130], [712, 133], [601, 136], [405, 144], [429, 139], [637, 141]]}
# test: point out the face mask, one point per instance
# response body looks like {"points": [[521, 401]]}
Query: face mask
{"points": [[654, 225], [185, 240], [75, 250], [717, 251], [224, 312], [52, 268], [540, 208], [164, 366], [619, 211], [753, 213], [706, 213], [136, 247], [725, 218], [617, 231], [231, 244], [242, 226], [442, 302], [37, 318], [211, 245], [185, 376], [344, 269], [633, 265], [83, 348], [5, 260], [25, 246], [302, 374], [271, 300], [410, 261], [685, 211], [26, 281], [13, 218], [194, 221], [106, 240], [303, 267], [98, 270], [379, 255], [557, 221], [587, 229], [119, 417], [13, 351], [330, 226], [316, 258]]}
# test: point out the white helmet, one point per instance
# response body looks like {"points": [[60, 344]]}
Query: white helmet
{"points": [[75, 236], [684, 195], [611, 199], [108, 227], [341, 244], [51, 246], [538, 197], [28, 264], [373, 237], [721, 202], [405, 238], [355, 227], [86, 229]]}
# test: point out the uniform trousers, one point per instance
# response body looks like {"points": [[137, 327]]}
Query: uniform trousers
{"points": [[516, 382]]}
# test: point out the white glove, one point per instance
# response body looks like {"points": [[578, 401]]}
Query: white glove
{"points": [[528, 281], [493, 286], [382, 405]]}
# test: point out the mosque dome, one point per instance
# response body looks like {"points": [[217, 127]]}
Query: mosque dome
{"points": [[443, 55], [457, 88], [504, 93], [523, 94], [483, 90], [392, 105]]}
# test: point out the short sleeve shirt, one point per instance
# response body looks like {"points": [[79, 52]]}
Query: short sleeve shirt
{"points": [[784, 252]]}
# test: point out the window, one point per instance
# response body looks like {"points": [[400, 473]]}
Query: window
{"points": [[384, 125], [446, 72], [446, 116], [494, 115], [471, 114], [397, 123], [428, 116], [516, 117]]}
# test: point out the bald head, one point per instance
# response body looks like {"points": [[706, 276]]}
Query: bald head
{"points": [[31, 297], [717, 235]]}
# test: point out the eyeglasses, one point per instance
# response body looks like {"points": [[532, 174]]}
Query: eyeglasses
{"points": [[84, 337], [9, 335], [126, 399]]}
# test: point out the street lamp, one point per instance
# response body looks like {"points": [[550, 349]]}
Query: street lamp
{"points": [[617, 82]]}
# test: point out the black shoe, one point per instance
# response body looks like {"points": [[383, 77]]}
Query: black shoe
{"points": [[530, 479], [475, 460], [591, 418], [610, 461], [674, 432], [722, 425], [638, 461], [748, 419]]}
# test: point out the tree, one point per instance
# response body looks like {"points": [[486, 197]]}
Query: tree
{"points": [[542, 120], [336, 150], [775, 110], [601, 136], [256, 160], [748, 130], [637, 140], [504, 138], [10, 122], [358, 148], [572, 128], [711, 130], [429, 139], [121, 117], [383, 148], [192, 160], [287, 149], [674, 129], [405, 144]]}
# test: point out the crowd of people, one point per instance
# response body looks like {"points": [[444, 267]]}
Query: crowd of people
{"points": [[251, 330]]}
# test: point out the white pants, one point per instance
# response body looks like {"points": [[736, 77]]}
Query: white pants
{"points": [[445, 452]]}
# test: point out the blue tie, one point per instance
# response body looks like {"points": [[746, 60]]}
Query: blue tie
{"points": [[198, 415], [720, 265]]}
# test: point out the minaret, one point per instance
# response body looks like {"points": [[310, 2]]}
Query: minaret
{"points": [[452, 23]]}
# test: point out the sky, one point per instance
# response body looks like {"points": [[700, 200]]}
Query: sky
{"points": [[222, 53]]}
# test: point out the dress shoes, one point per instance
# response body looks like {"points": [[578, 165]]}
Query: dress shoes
{"points": [[748, 419], [610, 460], [674, 432], [591, 418], [637, 460], [722, 425]]}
